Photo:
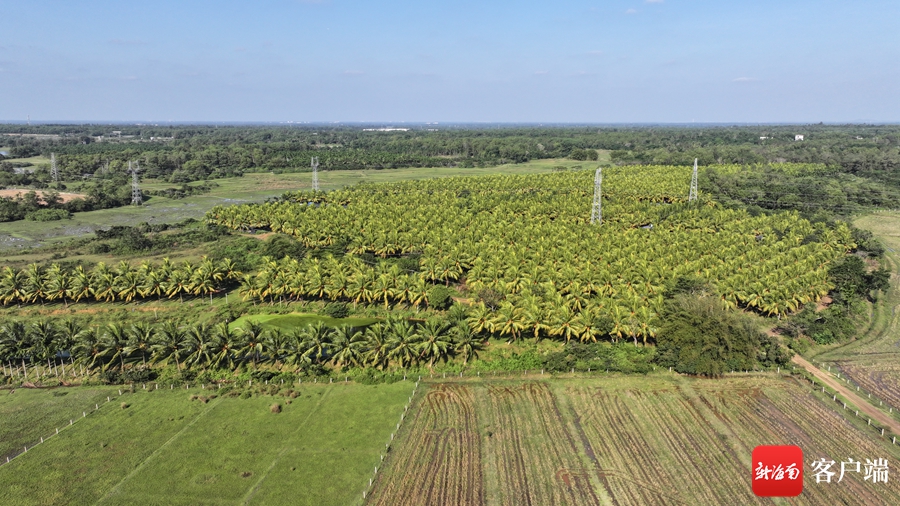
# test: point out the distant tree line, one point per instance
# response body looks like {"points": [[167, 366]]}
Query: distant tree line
{"points": [[188, 153]]}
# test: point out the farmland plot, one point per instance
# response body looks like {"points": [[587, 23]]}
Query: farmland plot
{"points": [[655, 440], [441, 461], [533, 453]]}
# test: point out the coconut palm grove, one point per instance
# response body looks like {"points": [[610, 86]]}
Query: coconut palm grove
{"points": [[526, 330]]}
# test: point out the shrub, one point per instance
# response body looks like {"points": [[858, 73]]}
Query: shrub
{"points": [[139, 376], [275, 408], [111, 377], [48, 215], [700, 337], [336, 310], [439, 297]]}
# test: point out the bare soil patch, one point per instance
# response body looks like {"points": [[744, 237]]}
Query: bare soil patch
{"points": [[66, 197]]}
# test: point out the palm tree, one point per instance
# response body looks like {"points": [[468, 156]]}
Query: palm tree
{"points": [[114, 343], [254, 341], [509, 320], [153, 285], [35, 288], [12, 286], [223, 345], [278, 345], [434, 342], [128, 285], [88, 348], [169, 343], [347, 346], [466, 343], [58, 284], [42, 337], [68, 336], [200, 340], [177, 283], [317, 341], [80, 285], [13, 341], [402, 342], [377, 345], [140, 340], [295, 349]]}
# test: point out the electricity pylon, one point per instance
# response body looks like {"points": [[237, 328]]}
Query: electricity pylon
{"points": [[315, 168], [136, 197], [597, 208], [693, 193], [54, 170]]}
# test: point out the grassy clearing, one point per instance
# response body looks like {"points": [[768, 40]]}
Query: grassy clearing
{"points": [[29, 414], [167, 449], [252, 187], [33, 160], [296, 321], [652, 440]]}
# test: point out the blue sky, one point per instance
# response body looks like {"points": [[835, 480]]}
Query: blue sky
{"points": [[480, 61]]}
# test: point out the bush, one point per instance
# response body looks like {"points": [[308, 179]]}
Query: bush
{"points": [[619, 357], [139, 376], [700, 337], [439, 297], [48, 215], [275, 408], [336, 310], [111, 377]]}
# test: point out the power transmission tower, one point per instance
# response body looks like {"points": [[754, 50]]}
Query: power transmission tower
{"points": [[136, 197], [693, 194], [597, 208], [315, 168], [54, 170]]}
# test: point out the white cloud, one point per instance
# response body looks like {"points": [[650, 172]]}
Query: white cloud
{"points": [[631, 11]]}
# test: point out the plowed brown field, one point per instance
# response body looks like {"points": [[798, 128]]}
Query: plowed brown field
{"points": [[626, 440]]}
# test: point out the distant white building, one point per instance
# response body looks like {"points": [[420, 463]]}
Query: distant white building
{"points": [[762, 138], [798, 137]]}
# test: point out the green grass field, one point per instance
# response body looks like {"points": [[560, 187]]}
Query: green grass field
{"points": [[29, 414], [296, 321], [252, 187], [166, 449]]}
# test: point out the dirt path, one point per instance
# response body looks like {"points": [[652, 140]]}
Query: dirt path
{"points": [[851, 396]]}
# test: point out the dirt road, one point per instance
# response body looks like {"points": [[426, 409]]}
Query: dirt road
{"points": [[864, 407]]}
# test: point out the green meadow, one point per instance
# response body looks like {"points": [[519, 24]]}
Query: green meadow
{"points": [[190, 447]]}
